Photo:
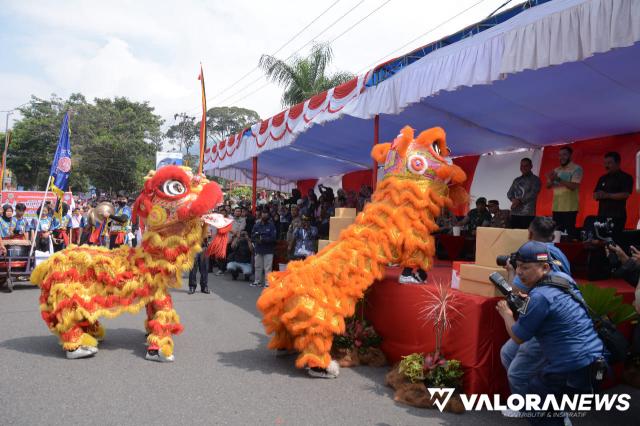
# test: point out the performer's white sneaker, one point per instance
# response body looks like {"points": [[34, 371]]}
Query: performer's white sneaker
{"points": [[331, 372], [159, 356], [92, 349], [81, 352], [408, 279]]}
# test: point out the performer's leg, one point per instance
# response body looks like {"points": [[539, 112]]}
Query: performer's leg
{"points": [[165, 322], [74, 338], [150, 313], [96, 330]]}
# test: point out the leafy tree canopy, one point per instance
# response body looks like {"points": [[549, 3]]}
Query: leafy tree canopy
{"points": [[303, 78], [224, 121], [113, 142]]}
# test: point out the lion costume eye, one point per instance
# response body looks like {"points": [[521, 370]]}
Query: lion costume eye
{"points": [[436, 148], [417, 164], [173, 188]]}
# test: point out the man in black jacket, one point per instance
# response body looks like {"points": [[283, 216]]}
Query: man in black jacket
{"points": [[612, 191], [264, 240]]}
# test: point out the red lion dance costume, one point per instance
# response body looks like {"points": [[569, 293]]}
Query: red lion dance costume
{"points": [[306, 305], [81, 284]]}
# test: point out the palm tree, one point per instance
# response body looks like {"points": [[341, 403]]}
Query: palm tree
{"points": [[303, 77]]}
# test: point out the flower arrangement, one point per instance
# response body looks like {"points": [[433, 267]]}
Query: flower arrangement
{"points": [[360, 343], [359, 334], [416, 372]]}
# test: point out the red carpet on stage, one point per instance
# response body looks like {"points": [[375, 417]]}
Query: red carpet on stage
{"points": [[475, 338]]}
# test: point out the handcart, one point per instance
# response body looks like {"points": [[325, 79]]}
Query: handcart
{"points": [[16, 264]]}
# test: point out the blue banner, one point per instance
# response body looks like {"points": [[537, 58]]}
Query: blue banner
{"points": [[61, 166]]}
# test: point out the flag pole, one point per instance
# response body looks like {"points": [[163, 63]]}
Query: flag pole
{"points": [[50, 183], [203, 123], [7, 138], [35, 234]]}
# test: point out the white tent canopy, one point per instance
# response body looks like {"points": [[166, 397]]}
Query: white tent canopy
{"points": [[562, 71]]}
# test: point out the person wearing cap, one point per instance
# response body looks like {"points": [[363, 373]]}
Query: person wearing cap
{"points": [[523, 361], [562, 327]]}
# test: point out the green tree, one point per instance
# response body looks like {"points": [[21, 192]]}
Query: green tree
{"points": [[303, 77], [241, 191], [35, 137], [224, 121], [183, 134], [111, 142], [115, 146]]}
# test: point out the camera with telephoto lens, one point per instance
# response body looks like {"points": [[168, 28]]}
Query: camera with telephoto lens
{"points": [[518, 304], [604, 232], [502, 260]]}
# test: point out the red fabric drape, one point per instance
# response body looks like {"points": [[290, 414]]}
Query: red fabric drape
{"points": [[475, 338], [468, 164], [354, 180], [590, 155], [305, 185]]}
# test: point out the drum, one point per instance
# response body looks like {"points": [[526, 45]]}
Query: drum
{"points": [[17, 248]]}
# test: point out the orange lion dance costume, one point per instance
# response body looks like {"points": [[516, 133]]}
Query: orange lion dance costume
{"points": [[306, 305], [81, 284]]}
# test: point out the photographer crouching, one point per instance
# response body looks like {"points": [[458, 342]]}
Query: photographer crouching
{"points": [[572, 354], [522, 362]]}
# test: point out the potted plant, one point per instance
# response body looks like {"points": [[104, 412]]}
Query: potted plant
{"points": [[605, 303], [417, 372], [360, 343]]}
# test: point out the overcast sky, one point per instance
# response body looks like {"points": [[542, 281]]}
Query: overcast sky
{"points": [[151, 50]]}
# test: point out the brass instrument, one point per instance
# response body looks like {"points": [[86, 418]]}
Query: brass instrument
{"points": [[99, 213]]}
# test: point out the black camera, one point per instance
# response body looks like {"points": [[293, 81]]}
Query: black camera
{"points": [[502, 260], [518, 304], [604, 232]]}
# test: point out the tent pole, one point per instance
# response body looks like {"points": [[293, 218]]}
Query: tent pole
{"points": [[254, 185], [376, 137]]}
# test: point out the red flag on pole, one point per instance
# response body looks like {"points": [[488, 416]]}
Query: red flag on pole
{"points": [[203, 124]]}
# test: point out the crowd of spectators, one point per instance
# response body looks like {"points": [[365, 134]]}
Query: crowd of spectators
{"points": [[55, 230], [611, 192], [295, 223]]}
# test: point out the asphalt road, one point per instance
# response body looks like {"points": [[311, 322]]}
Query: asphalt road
{"points": [[223, 374]]}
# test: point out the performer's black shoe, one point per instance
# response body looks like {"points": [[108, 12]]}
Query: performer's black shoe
{"points": [[192, 290], [206, 290]]}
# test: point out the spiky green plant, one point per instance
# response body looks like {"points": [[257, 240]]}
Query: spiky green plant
{"points": [[605, 302]]}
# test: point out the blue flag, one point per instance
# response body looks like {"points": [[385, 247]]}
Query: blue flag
{"points": [[61, 167]]}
